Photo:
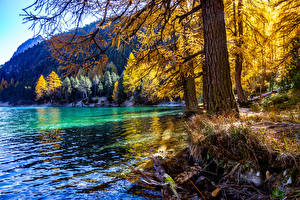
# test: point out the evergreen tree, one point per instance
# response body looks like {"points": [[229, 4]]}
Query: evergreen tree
{"points": [[74, 85], [112, 68], [114, 77], [95, 84], [67, 87], [41, 87], [100, 88], [85, 85], [119, 95], [108, 84]]}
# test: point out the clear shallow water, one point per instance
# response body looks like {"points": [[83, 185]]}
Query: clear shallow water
{"points": [[77, 153]]}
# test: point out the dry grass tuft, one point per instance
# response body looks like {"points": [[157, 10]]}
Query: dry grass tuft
{"points": [[242, 140]]}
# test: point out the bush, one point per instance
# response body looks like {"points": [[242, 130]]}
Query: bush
{"points": [[296, 81], [279, 98], [255, 107], [293, 100]]}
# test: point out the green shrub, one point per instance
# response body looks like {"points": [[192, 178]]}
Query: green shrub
{"points": [[293, 100], [255, 107], [296, 81], [279, 98]]}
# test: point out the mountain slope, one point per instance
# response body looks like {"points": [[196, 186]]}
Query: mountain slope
{"points": [[32, 59], [28, 44]]}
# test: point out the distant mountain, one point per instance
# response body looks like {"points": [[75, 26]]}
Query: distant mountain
{"points": [[28, 44], [32, 59]]}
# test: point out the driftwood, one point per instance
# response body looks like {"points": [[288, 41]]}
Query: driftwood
{"points": [[263, 95], [187, 174], [159, 178], [165, 178]]}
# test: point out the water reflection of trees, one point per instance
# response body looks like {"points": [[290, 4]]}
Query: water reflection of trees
{"points": [[50, 139], [146, 136]]}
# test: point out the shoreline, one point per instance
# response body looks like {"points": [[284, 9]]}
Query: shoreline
{"points": [[6, 104]]}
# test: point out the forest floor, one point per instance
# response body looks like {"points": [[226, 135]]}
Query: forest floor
{"points": [[254, 157]]}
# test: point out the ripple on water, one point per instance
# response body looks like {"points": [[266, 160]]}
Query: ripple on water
{"points": [[76, 153]]}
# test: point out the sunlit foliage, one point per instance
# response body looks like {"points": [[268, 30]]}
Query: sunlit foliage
{"points": [[41, 87], [54, 82]]}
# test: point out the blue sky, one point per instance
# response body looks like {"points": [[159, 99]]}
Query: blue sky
{"points": [[12, 31]]}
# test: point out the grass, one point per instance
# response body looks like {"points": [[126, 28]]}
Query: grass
{"points": [[242, 140], [282, 102]]}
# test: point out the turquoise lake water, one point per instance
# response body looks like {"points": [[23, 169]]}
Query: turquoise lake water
{"points": [[77, 153]]}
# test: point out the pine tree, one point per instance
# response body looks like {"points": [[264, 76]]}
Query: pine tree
{"points": [[100, 88], [95, 84], [108, 84], [85, 85], [114, 77], [74, 85], [41, 87], [112, 68], [120, 96], [67, 87]]}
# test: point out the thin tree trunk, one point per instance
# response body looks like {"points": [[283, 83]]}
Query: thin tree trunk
{"points": [[189, 89], [219, 95], [238, 32]]}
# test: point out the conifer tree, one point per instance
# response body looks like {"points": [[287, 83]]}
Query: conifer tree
{"points": [[120, 95], [100, 88], [54, 82], [114, 77], [75, 85], [67, 87], [112, 67], [85, 85], [95, 84], [41, 87], [107, 83]]}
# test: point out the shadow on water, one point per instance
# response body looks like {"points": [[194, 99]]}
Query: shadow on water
{"points": [[78, 153]]}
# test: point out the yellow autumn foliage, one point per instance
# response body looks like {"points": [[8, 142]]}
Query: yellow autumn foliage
{"points": [[41, 87], [54, 82]]}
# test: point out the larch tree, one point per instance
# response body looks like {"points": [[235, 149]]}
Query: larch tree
{"points": [[288, 28], [217, 87], [235, 29], [41, 87], [54, 83], [126, 19]]}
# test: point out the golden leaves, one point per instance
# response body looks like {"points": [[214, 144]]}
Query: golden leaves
{"points": [[41, 87]]}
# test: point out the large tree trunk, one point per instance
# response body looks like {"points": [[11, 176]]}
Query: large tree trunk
{"points": [[218, 88], [190, 97], [238, 32]]}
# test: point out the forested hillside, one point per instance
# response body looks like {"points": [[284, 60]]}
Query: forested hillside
{"points": [[20, 74]]}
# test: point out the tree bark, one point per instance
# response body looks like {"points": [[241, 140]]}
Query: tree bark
{"points": [[190, 97], [189, 89], [218, 88], [238, 32]]}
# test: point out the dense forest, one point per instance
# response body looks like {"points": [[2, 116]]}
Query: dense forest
{"points": [[168, 56], [20, 74]]}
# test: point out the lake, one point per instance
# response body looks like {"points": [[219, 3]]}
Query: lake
{"points": [[78, 153]]}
